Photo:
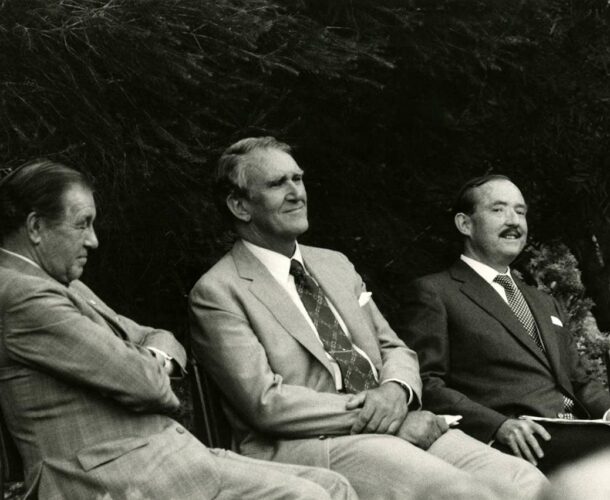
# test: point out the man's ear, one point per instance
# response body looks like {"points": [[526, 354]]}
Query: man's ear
{"points": [[463, 223], [239, 207], [33, 224]]}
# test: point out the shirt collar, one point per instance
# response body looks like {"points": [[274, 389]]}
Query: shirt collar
{"points": [[277, 264], [19, 256], [483, 270]]}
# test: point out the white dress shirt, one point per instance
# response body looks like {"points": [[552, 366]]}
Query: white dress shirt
{"points": [[489, 274]]}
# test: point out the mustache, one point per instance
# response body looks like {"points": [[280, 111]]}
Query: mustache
{"points": [[512, 231]]}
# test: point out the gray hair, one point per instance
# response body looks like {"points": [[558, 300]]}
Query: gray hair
{"points": [[231, 171]]}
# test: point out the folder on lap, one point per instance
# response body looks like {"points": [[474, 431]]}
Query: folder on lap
{"points": [[598, 421]]}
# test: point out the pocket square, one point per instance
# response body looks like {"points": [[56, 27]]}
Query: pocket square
{"points": [[364, 298], [556, 321]]}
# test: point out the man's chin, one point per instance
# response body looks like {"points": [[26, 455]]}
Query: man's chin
{"points": [[76, 273]]}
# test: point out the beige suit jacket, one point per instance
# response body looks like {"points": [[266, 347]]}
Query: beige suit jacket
{"points": [[270, 366], [86, 401]]}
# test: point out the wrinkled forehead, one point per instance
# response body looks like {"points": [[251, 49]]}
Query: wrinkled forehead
{"points": [[268, 164], [497, 191], [78, 199]]}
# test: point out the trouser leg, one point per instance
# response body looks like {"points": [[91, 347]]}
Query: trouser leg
{"points": [[507, 474], [242, 477], [386, 467]]}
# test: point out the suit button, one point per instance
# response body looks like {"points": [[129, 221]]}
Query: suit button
{"points": [[180, 430]]}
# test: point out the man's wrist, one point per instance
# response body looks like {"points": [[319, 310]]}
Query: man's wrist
{"points": [[404, 386]]}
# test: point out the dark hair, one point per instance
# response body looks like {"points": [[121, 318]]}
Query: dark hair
{"points": [[465, 201], [231, 170], [37, 186]]}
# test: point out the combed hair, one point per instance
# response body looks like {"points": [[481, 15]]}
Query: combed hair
{"points": [[464, 201], [37, 186], [231, 171]]}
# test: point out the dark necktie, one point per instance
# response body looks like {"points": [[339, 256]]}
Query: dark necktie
{"points": [[355, 369], [517, 303]]}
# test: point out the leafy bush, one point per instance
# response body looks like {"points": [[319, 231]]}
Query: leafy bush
{"points": [[555, 271]]}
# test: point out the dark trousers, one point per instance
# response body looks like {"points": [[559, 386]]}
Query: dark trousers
{"points": [[568, 442]]}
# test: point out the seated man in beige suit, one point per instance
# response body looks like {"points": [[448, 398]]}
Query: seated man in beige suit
{"points": [[85, 392], [311, 371]]}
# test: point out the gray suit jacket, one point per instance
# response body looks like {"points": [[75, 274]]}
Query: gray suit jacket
{"points": [[268, 362], [478, 360], [85, 400]]}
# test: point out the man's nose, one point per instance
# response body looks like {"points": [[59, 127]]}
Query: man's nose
{"points": [[512, 217], [91, 239], [296, 190]]}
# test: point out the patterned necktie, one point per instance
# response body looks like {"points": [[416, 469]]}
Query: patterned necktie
{"points": [[355, 368], [520, 308], [517, 303]]}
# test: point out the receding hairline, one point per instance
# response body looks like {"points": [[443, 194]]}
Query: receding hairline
{"points": [[465, 200]]}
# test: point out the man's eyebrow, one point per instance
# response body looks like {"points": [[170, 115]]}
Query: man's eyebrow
{"points": [[277, 180], [283, 178], [505, 203]]}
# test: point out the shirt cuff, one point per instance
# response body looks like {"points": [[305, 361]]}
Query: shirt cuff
{"points": [[405, 386]]}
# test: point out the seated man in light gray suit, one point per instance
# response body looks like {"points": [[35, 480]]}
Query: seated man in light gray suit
{"points": [[310, 370], [86, 392]]}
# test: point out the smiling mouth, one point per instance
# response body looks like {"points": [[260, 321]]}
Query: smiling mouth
{"points": [[510, 235], [296, 209]]}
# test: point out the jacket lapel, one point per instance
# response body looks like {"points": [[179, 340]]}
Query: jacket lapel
{"points": [[271, 294], [543, 319], [343, 299], [481, 292]]}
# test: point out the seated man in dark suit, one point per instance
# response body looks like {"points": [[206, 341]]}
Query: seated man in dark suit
{"points": [[493, 349], [311, 371], [85, 392]]}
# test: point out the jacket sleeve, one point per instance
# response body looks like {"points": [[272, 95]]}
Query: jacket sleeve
{"points": [[140, 335], [224, 341], [44, 329], [425, 327], [398, 362]]}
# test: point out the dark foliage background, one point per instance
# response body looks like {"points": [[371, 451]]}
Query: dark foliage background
{"points": [[390, 104]]}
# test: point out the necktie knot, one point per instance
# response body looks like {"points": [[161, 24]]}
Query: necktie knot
{"points": [[505, 281], [296, 269]]}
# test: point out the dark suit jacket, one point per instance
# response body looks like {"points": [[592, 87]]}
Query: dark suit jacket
{"points": [[85, 400], [477, 359], [265, 357]]}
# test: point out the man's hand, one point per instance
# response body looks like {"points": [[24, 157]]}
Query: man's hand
{"points": [[422, 428], [520, 436], [383, 409]]}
